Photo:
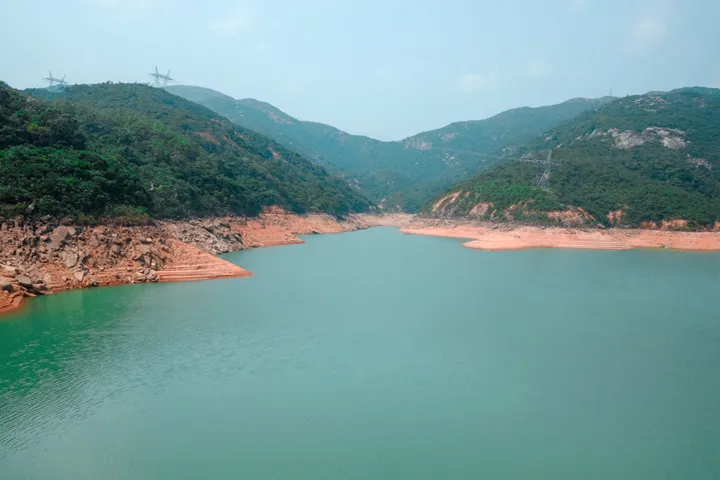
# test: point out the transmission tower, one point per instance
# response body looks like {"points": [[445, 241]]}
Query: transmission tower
{"points": [[53, 81], [543, 180], [160, 79]]}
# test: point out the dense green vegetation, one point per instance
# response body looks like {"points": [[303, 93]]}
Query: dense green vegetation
{"points": [[401, 174], [672, 174], [119, 149]]}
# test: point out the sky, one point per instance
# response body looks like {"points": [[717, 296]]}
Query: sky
{"points": [[383, 68]]}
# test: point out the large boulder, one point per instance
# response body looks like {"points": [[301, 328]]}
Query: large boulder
{"points": [[70, 259], [6, 284], [24, 281], [9, 269], [142, 249], [157, 254], [60, 235]]}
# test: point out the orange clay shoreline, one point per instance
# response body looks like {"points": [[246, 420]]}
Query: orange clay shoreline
{"points": [[516, 237], [187, 251]]}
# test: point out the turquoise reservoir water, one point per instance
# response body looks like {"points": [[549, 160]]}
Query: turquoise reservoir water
{"points": [[375, 355]]}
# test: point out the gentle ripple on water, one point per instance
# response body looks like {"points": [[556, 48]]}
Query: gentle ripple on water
{"points": [[373, 355]]}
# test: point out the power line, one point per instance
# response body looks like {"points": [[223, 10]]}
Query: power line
{"points": [[52, 81], [543, 180], [160, 79]]}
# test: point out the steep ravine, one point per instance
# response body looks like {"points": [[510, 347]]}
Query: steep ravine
{"points": [[48, 255]]}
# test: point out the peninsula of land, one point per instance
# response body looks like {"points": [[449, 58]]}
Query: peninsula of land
{"points": [[508, 236]]}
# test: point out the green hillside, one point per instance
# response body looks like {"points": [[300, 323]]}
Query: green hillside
{"points": [[402, 174], [646, 158], [122, 149]]}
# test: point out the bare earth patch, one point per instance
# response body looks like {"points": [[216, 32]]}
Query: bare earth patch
{"points": [[515, 237], [480, 209], [447, 200], [615, 217]]}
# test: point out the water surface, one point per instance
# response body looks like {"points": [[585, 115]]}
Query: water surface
{"points": [[375, 355]]}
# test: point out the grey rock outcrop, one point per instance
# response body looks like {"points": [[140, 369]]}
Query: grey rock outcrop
{"points": [[24, 281], [60, 235], [70, 259], [6, 284]]}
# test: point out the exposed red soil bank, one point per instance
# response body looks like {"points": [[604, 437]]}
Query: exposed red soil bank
{"points": [[191, 263], [272, 229], [510, 237]]}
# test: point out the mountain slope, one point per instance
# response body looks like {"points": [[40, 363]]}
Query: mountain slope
{"points": [[507, 129], [647, 160], [109, 149], [396, 174]]}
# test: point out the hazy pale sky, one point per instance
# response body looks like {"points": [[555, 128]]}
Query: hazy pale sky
{"points": [[384, 68]]}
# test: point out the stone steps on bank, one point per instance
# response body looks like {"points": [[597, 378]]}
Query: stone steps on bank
{"points": [[191, 263]]}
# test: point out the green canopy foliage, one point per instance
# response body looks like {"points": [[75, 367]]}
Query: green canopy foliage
{"points": [[103, 149], [402, 174], [655, 156]]}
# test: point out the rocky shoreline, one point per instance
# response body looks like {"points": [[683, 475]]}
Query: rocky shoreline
{"points": [[49, 255]]}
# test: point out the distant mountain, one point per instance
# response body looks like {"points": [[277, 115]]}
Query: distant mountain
{"points": [[127, 150], [649, 160], [401, 174]]}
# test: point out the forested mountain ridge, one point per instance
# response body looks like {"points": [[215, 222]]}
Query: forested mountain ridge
{"points": [[502, 132], [398, 174], [646, 160], [118, 149]]}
